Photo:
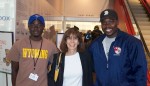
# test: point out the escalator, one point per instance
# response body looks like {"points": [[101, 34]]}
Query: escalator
{"points": [[141, 15], [142, 21]]}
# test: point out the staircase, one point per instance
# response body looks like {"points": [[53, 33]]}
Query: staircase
{"points": [[142, 19]]}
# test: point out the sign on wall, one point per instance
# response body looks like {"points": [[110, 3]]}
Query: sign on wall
{"points": [[6, 41]]}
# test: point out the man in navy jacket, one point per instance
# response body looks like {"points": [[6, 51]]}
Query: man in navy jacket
{"points": [[119, 58]]}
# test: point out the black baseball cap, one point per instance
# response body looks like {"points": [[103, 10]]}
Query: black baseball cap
{"points": [[108, 13]]}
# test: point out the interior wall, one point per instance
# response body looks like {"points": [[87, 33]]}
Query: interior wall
{"points": [[58, 5], [111, 4], [84, 8], [67, 8], [119, 9]]}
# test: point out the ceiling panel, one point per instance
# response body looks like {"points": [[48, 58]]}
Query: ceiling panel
{"points": [[84, 8], [67, 8]]}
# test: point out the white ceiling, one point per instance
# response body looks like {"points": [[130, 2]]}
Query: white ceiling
{"points": [[59, 8]]}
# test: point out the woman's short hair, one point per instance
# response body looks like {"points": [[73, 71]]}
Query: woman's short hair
{"points": [[72, 31]]}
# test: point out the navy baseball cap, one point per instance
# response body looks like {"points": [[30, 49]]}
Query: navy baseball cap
{"points": [[36, 17], [108, 13]]}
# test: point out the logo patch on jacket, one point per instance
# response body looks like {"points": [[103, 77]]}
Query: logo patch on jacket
{"points": [[117, 51]]}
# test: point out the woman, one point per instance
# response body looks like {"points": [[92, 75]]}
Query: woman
{"points": [[75, 66]]}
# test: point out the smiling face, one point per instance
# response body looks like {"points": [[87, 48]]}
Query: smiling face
{"points": [[109, 27], [36, 29], [72, 42]]}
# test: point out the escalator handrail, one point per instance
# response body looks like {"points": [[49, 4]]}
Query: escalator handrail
{"points": [[146, 6]]}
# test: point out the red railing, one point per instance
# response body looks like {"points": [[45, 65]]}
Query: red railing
{"points": [[145, 4], [148, 78], [127, 19], [120, 7]]}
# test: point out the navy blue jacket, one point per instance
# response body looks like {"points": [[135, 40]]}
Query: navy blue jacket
{"points": [[126, 65]]}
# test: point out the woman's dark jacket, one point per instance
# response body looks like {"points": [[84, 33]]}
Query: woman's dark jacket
{"points": [[87, 68]]}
